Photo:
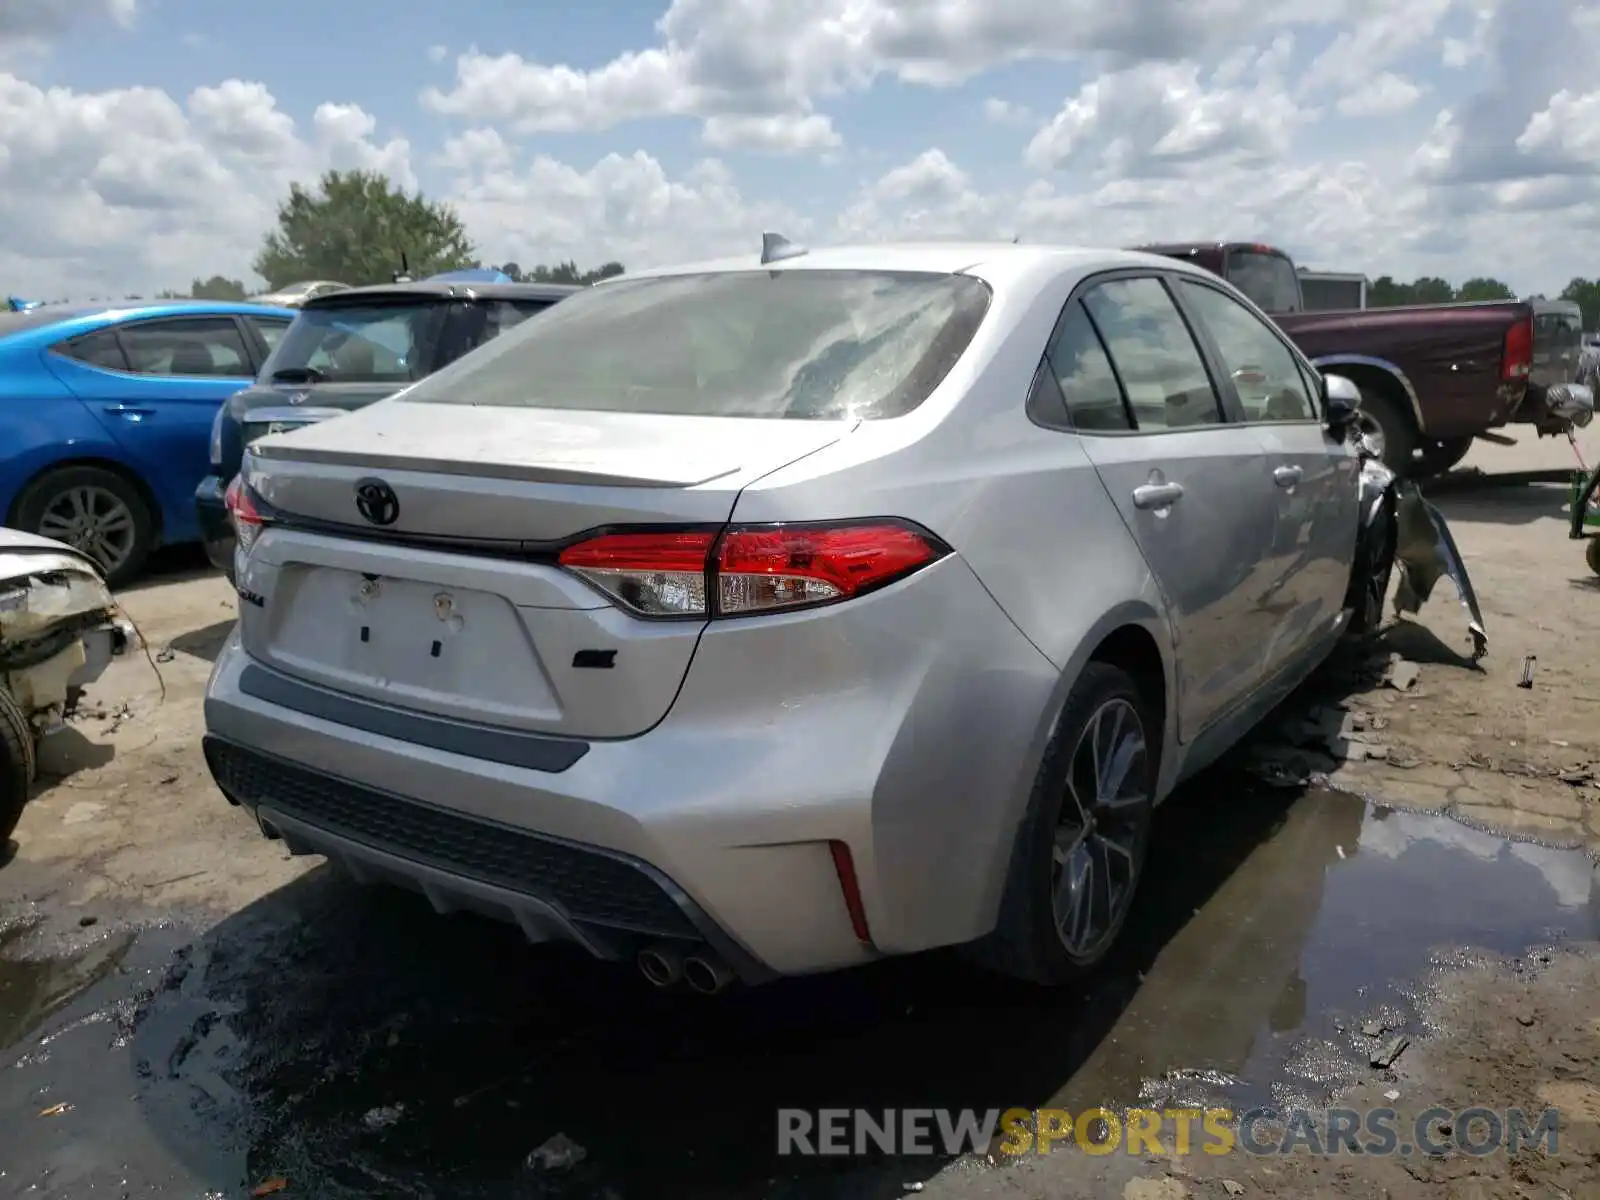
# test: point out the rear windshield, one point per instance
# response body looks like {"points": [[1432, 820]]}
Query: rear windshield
{"points": [[802, 344], [1268, 279], [377, 343]]}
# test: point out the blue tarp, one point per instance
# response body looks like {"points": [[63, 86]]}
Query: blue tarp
{"points": [[472, 276]]}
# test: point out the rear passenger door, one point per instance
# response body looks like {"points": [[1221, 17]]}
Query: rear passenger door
{"points": [[1191, 486], [1272, 392], [155, 388]]}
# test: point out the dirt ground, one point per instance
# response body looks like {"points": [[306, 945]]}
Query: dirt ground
{"points": [[127, 820]]}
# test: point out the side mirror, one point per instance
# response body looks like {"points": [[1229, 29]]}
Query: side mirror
{"points": [[1341, 404]]}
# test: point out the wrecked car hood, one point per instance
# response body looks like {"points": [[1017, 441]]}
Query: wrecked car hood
{"points": [[44, 583], [1424, 548]]}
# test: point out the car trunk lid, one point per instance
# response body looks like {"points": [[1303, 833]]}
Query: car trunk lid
{"points": [[455, 607]]}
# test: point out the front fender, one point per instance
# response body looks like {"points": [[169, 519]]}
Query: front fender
{"points": [[1425, 550]]}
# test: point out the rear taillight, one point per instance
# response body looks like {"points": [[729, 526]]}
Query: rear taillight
{"points": [[1517, 359], [749, 569], [247, 518]]}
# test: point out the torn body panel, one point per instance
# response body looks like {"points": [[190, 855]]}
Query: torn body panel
{"points": [[59, 626], [1424, 547]]}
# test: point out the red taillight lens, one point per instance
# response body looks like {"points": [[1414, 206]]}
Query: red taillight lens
{"points": [[785, 566], [749, 569], [247, 518], [1517, 360], [653, 574]]}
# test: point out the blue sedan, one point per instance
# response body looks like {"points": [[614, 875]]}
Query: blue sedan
{"points": [[105, 417]]}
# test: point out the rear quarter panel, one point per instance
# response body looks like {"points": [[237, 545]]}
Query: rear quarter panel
{"points": [[42, 424], [1450, 354], [1027, 512]]}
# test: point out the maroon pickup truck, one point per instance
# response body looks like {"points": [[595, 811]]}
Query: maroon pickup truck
{"points": [[1432, 376]]}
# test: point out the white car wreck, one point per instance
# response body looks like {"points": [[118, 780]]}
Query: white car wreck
{"points": [[59, 628]]}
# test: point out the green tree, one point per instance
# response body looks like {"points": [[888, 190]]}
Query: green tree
{"points": [[1429, 290], [354, 227], [1482, 288], [564, 272], [1586, 294], [218, 287], [1388, 292]]}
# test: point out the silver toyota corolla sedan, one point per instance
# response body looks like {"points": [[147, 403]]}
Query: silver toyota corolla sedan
{"points": [[772, 615]]}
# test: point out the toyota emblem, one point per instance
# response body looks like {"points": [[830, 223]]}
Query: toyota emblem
{"points": [[376, 501]]}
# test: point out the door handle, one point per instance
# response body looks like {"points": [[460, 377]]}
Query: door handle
{"points": [[129, 410], [1287, 477], [1157, 495]]}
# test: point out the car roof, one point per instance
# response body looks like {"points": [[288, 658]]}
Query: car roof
{"points": [[434, 289], [74, 319], [990, 261]]}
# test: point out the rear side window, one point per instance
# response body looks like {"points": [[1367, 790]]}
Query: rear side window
{"points": [[1088, 384], [365, 343], [1268, 279], [796, 344], [205, 347], [1154, 354], [98, 349]]}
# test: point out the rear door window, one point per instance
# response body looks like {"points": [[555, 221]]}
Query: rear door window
{"points": [[1155, 356], [203, 347]]}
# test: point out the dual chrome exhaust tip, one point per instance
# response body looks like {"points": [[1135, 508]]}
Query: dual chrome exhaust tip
{"points": [[666, 966]]}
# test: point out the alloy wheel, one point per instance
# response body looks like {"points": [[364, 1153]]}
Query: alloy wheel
{"points": [[1099, 840], [93, 521]]}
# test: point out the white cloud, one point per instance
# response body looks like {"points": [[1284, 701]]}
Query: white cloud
{"points": [[626, 207], [131, 189], [29, 27], [784, 133], [1567, 131], [1150, 118], [1215, 118], [765, 57], [1005, 112], [1383, 95]]}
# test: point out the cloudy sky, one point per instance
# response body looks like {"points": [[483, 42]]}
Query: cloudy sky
{"points": [[143, 142]]}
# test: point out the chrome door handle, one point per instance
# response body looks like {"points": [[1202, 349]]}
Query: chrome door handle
{"points": [[1157, 495], [129, 410], [1287, 477]]}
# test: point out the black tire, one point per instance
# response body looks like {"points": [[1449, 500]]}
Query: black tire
{"points": [[1438, 457], [1371, 573], [1591, 555], [44, 492], [1399, 432], [16, 765], [1026, 944]]}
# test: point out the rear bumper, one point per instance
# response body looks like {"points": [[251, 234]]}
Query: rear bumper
{"points": [[914, 750], [216, 527], [549, 887]]}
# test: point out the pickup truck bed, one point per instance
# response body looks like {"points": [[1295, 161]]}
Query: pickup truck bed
{"points": [[1432, 376]]}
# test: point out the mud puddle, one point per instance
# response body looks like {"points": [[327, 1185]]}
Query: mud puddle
{"points": [[350, 1043]]}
